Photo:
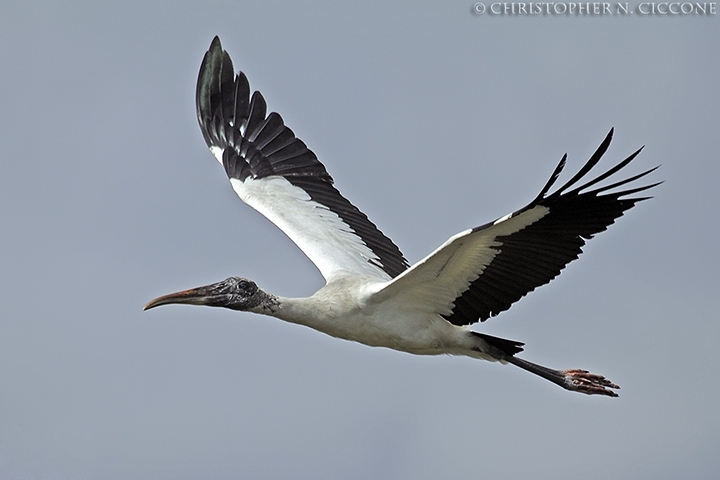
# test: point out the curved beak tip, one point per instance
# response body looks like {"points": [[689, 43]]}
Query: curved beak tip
{"points": [[155, 302], [163, 300], [194, 296]]}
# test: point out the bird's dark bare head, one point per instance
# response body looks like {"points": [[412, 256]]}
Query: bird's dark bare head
{"points": [[235, 293]]}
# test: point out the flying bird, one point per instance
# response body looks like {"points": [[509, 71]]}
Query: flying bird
{"points": [[372, 295]]}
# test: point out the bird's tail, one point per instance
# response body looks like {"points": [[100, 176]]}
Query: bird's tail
{"points": [[500, 347]]}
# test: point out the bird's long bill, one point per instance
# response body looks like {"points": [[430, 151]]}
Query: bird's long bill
{"points": [[194, 296]]}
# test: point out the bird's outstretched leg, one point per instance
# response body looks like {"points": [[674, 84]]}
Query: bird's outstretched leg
{"points": [[578, 380]]}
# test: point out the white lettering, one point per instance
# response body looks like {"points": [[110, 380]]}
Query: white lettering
{"points": [[576, 8]]}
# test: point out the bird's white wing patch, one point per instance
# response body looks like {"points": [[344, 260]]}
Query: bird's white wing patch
{"points": [[218, 153], [320, 233], [432, 284]]}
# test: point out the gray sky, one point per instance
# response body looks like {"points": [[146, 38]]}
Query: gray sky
{"points": [[431, 120]]}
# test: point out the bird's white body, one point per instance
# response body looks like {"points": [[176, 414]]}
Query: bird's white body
{"points": [[350, 308]]}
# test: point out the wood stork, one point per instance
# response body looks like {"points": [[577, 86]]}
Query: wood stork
{"points": [[372, 295]]}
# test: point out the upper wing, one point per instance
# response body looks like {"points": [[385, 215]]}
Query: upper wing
{"points": [[276, 174], [481, 272]]}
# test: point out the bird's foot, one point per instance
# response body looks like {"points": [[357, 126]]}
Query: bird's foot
{"points": [[589, 383]]}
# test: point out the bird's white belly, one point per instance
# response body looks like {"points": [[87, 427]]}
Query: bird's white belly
{"points": [[340, 311], [420, 334]]}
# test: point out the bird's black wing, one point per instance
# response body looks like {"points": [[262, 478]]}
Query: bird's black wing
{"points": [[275, 173], [481, 272]]}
